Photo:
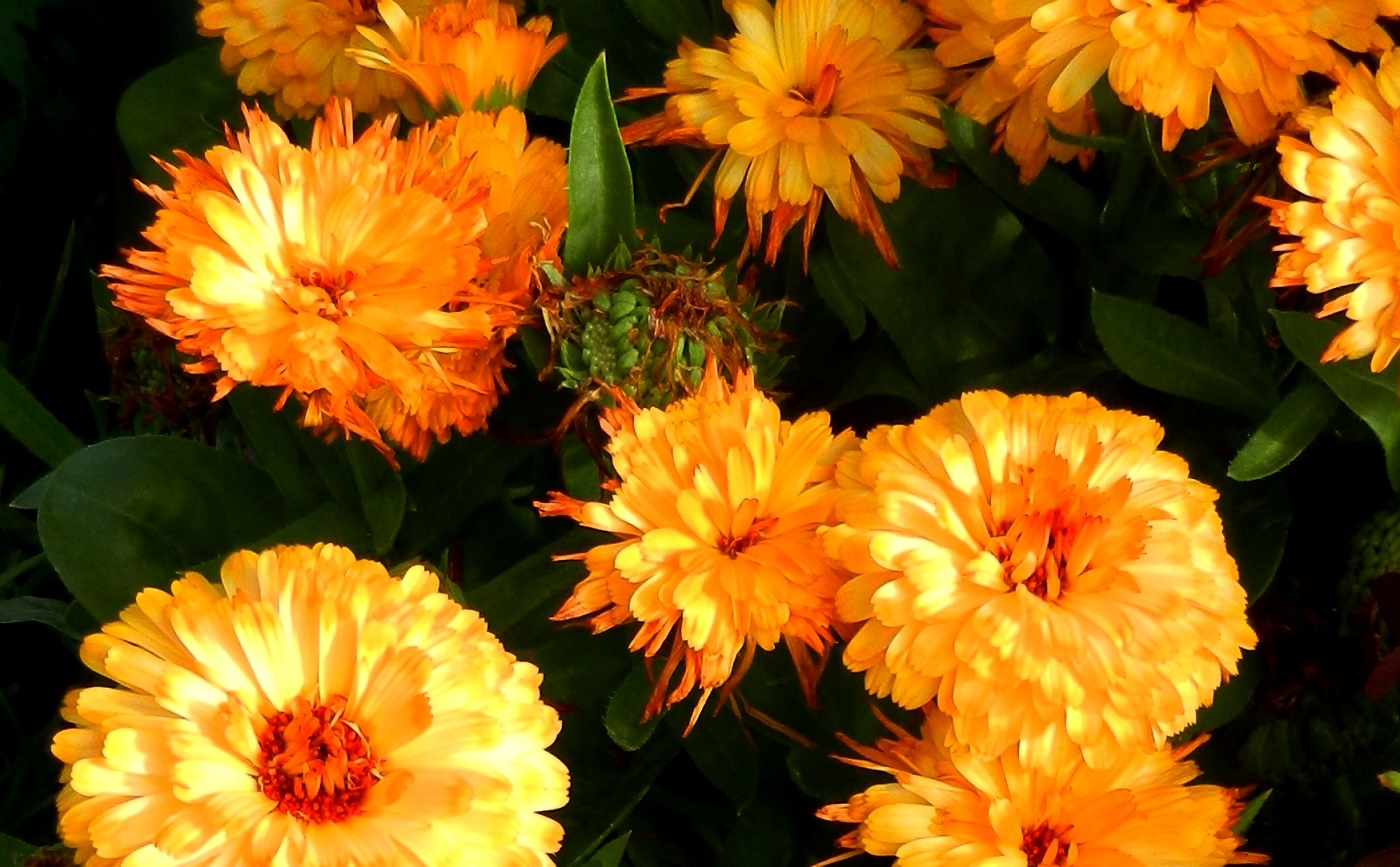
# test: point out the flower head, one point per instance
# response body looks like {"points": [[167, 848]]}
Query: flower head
{"points": [[526, 209], [1167, 57], [1350, 169], [813, 100], [984, 44], [1037, 567], [295, 50], [311, 710], [326, 272], [716, 514], [953, 807], [463, 55]]}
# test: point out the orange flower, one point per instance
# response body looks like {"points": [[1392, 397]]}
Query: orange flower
{"points": [[295, 50], [1039, 569], [526, 208], [312, 710], [1167, 57], [951, 807], [466, 54], [716, 512], [816, 100], [325, 272], [987, 41], [1347, 229]]}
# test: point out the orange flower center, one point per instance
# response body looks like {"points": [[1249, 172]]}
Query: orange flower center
{"points": [[738, 541], [365, 11], [1045, 848], [821, 97], [324, 292], [316, 764]]}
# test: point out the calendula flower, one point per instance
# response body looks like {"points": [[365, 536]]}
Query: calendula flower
{"points": [[952, 807], [1347, 227], [810, 101], [311, 710], [716, 512], [464, 54], [984, 43], [295, 50], [1040, 570], [326, 272], [1167, 57], [526, 210]]}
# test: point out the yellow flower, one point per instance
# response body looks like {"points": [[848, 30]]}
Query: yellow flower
{"points": [[1167, 57], [325, 272], [526, 210], [465, 54], [986, 41], [816, 100], [716, 514], [1036, 566], [1347, 228], [312, 710], [295, 50], [951, 807]]}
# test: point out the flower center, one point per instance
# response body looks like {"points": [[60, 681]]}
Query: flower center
{"points": [[365, 11], [1044, 847], [323, 292], [316, 764], [821, 97], [738, 541]]}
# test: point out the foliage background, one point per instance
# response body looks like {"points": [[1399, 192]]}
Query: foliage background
{"points": [[1091, 281]]}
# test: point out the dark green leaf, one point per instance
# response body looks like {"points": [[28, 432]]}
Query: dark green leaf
{"points": [[34, 609], [133, 512], [674, 19], [762, 837], [13, 851], [149, 124], [30, 497], [17, 16], [1251, 812], [525, 594], [453, 482], [381, 493], [611, 854], [1174, 355], [554, 92], [280, 446], [1372, 396], [1256, 519], [1294, 423], [1052, 198], [624, 716], [722, 750], [602, 817], [26, 419], [601, 209]]}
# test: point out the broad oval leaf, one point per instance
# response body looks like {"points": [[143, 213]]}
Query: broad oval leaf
{"points": [[1174, 355], [1290, 428], [624, 715], [1372, 396], [133, 512], [602, 213], [149, 126]]}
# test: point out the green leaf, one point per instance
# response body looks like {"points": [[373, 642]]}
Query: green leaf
{"points": [[673, 20], [15, 17], [1372, 396], [597, 820], [1052, 198], [523, 595], [280, 445], [624, 717], [762, 836], [382, 496], [13, 851], [26, 419], [1294, 423], [34, 609], [133, 512], [1256, 520], [1174, 355], [722, 750], [455, 481], [601, 208], [1251, 812], [150, 125], [611, 854]]}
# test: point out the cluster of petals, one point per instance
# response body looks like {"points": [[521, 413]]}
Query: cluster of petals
{"points": [[1349, 168], [813, 100], [716, 514], [352, 267], [984, 44], [309, 708], [463, 55], [295, 50], [1040, 570], [1167, 57], [951, 807]]}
